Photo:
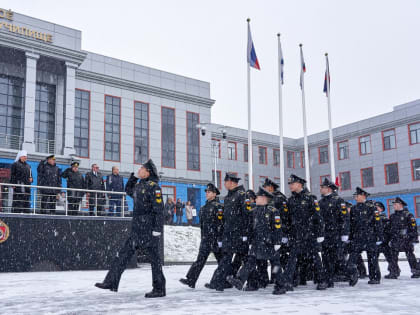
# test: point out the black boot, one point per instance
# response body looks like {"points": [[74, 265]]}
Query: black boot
{"points": [[391, 276], [209, 286], [331, 285], [374, 282], [104, 286], [279, 290], [354, 277], [187, 282], [288, 287], [237, 283], [322, 286], [155, 294]]}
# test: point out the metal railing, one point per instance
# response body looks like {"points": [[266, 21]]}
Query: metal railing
{"points": [[11, 141], [46, 200], [45, 146]]}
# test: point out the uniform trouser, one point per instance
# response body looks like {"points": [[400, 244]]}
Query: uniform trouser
{"points": [[115, 205], [373, 262], [386, 250], [48, 203], [225, 269], [126, 253], [96, 200], [73, 204], [331, 260], [198, 265], [251, 264], [259, 276], [340, 266], [21, 200], [393, 262], [361, 268], [237, 262], [304, 256]]}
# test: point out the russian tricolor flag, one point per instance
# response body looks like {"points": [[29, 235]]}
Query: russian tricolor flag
{"points": [[251, 54]]}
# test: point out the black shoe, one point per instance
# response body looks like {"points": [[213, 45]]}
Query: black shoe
{"points": [[302, 282], [279, 290], [341, 278], [331, 285], [227, 285], [288, 287], [391, 276], [155, 294], [362, 276], [237, 283], [374, 282], [353, 279], [187, 282], [105, 286], [209, 286], [250, 288], [415, 276], [322, 286]]}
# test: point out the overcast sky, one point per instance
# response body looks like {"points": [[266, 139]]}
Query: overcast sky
{"points": [[373, 47]]}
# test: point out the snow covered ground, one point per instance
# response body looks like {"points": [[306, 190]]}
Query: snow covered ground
{"points": [[73, 292]]}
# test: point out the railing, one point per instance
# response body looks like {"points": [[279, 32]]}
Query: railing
{"points": [[45, 146], [45, 200], [11, 141]]}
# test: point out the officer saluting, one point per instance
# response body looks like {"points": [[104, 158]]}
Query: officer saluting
{"points": [[366, 234], [211, 225], [146, 230]]}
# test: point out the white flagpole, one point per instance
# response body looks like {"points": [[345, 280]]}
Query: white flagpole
{"points": [[305, 132], [332, 157], [250, 175], [282, 179]]}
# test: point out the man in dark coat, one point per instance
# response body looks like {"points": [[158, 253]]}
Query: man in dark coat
{"points": [[74, 180], [384, 247], [337, 229], [265, 239], [403, 237], [366, 234], [146, 230], [94, 181], [115, 182], [49, 175], [305, 234], [211, 225], [21, 174], [179, 206], [235, 232]]}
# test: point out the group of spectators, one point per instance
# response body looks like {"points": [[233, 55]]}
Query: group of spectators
{"points": [[176, 210]]}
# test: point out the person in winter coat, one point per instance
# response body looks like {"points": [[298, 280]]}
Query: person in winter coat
{"points": [[21, 174], [94, 181], [48, 175], [179, 211], [189, 212], [146, 230], [74, 180], [403, 237], [169, 211], [115, 182]]}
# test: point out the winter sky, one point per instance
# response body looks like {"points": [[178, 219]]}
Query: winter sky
{"points": [[373, 48]]}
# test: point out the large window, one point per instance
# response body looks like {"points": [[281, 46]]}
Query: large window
{"points": [[345, 181], [391, 174], [245, 153], [169, 192], [414, 131], [232, 154], [323, 154], [262, 155], [82, 123], [193, 141], [276, 157], [141, 132], [367, 177], [219, 178], [112, 128], [364, 145], [388, 139], [417, 206], [290, 159], [343, 150], [12, 111], [168, 137], [302, 159], [415, 169], [45, 118]]}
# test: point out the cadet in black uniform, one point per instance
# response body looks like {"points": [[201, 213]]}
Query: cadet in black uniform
{"points": [[366, 234], [146, 230], [48, 175], [403, 237], [74, 180], [211, 225], [265, 240], [21, 174], [235, 232], [305, 233], [384, 247], [337, 229]]}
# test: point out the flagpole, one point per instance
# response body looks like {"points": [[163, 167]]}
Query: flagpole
{"points": [[305, 132], [332, 157], [250, 175], [282, 179]]}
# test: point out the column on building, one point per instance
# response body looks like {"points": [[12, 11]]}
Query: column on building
{"points": [[69, 109], [30, 92]]}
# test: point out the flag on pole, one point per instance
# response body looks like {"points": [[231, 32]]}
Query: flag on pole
{"points": [[251, 54], [281, 64], [302, 68], [327, 79]]}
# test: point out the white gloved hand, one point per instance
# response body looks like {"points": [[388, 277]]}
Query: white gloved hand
{"points": [[156, 233], [284, 240], [319, 239], [276, 247], [344, 238], [244, 238], [219, 244], [378, 243]]}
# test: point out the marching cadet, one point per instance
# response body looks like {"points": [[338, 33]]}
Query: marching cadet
{"points": [[48, 175], [384, 247], [146, 230], [211, 225], [265, 240], [403, 237], [337, 229], [21, 174], [366, 234], [305, 233], [235, 232], [74, 180]]}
